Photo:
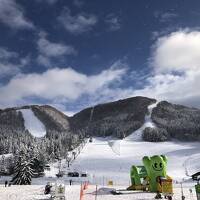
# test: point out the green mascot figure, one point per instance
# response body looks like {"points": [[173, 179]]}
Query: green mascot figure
{"points": [[156, 169]]}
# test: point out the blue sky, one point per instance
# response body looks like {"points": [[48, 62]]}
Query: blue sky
{"points": [[77, 53]]}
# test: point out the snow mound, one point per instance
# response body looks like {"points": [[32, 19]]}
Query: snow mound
{"points": [[137, 135], [32, 123]]}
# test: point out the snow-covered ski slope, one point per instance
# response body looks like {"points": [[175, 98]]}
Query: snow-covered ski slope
{"points": [[32, 123], [108, 159], [98, 159], [137, 135]]}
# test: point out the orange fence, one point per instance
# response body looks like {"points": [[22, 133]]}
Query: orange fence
{"points": [[84, 186]]}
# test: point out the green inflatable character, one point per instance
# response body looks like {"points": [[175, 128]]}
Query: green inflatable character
{"points": [[155, 167]]}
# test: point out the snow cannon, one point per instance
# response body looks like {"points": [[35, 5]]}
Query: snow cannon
{"points": [[152, 176]]}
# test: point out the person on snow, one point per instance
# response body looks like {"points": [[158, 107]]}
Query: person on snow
{"points": [[6, 183], [47, 189]]}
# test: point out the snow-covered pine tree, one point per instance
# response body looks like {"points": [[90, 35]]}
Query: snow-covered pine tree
{"points": [[23, 172]]}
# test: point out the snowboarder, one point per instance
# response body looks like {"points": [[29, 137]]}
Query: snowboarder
{"points": [[6, 183]]}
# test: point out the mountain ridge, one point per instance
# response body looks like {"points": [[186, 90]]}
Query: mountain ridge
{"points": [[119, 118]]}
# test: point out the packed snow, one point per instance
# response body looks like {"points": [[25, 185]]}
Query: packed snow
{"points": [[36, 192], [137, 135], [32, 123], [104, 164]]}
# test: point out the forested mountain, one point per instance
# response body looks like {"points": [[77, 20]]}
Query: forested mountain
{"points": [[14, 135], [120, 119], [179, 121]]}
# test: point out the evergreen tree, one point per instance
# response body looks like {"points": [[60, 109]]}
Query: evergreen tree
{"points": [[23, 172]]}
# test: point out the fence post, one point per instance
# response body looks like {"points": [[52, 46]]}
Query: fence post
{"points": [[81, 192], [96, 193]]}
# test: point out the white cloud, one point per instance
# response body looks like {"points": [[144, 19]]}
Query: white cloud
{"points": [[113, 22], [12, 15], [10, 62], [50, 50], [53, 84], [7, 69], [44, 61], [176, 69], [5, 54], [178, 51], [166, 16], [77, 24]]}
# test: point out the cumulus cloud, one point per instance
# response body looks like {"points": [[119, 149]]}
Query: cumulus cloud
{"points": [[66, 84], [48, 50], [12, 15], [176, 66], [52, 49], [10, 62], [178, 51], [77, 24], [113, 22]]}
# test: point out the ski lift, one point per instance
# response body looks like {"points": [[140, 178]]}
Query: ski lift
{"points": [[89, 123]]}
